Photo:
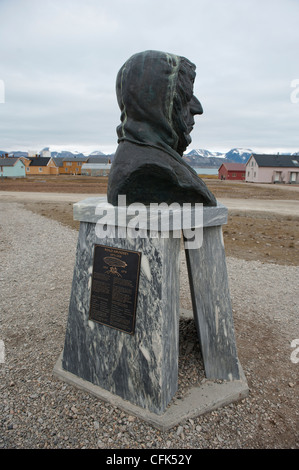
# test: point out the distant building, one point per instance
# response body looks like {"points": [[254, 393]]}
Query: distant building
{"points": [[72, 165], [273, 169], [26, 161], [232, 171], [99, 159], [96, 169], [35, 164], [58, 162], [12, 167], [41, 166]]}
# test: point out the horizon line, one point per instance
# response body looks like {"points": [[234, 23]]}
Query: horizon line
{"points": [[107, 150]]}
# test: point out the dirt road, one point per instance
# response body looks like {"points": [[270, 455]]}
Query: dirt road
{"points": [[19, 196], [276, 206]]}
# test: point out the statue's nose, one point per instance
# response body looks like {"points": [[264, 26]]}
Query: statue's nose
{"points": [[195, 106]]}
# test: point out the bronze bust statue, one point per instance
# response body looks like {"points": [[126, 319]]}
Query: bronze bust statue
{"points": [[155, 95]]}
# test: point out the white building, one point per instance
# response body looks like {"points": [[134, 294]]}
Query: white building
{"points": [[95, 169], [272, 169]]}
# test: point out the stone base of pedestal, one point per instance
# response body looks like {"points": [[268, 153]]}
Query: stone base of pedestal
{"points": [[199, 399]]}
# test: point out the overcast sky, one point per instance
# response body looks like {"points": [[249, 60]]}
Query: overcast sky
{"points": [[59, 60]]}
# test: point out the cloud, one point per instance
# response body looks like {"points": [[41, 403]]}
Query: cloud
{"points": [[59, 61]]}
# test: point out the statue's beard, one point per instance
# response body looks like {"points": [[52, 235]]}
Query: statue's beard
{"points": [[182, 122], [183, 127], [183, 142]]}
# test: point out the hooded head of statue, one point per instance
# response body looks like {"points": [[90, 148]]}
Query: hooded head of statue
{"points": [[155, 95]]}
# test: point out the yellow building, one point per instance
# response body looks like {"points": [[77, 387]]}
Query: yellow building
{"points": [[72, 166], [41, 166]]}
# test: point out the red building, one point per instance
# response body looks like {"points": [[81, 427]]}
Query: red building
{"points": [[232, 171]]}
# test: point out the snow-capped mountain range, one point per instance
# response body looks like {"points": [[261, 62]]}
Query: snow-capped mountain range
{"points": [[54, 154], [203, 157], [195, 157]]}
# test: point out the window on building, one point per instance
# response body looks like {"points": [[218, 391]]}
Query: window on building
{"points": [[40, 169]]}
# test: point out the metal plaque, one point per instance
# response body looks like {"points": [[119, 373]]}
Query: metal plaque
{"points": [[114, 287]]}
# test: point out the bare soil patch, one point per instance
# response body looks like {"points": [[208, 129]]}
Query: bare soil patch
{"points": [[233, 189], [56, 184], [266, 237]]}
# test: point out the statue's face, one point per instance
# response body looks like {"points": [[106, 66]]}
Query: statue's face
{"points": [[194, 107], [186, 122], [185, 105]]}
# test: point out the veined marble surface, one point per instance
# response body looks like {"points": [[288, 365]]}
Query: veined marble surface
{"points": [[212, 308], [141, 368]]}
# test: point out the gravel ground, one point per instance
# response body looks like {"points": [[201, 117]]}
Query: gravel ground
{"points": [[38, 410]]}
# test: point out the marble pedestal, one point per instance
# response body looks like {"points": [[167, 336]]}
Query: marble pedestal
{"points": [[142, 368]]}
